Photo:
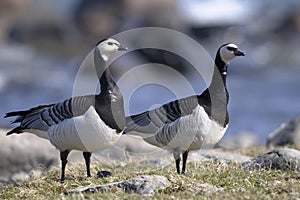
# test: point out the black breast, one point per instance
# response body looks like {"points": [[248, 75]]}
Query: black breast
{"points": [[110, 108], [215, 105]]}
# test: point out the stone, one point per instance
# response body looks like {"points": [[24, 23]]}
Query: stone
{"points": [[281, 159], [103, 174], [239, 141], [227, 157], [204, 188], [20, 154], [23, 154], [4, 182], [143, 185], [130, 146], [160, 162], [286, 134]]}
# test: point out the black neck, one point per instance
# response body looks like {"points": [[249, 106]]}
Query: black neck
{"points": [[218, 82], [107, 83], [109, 103], [104, 75], [215, 97]]}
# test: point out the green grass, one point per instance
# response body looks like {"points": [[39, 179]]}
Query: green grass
{"points": [[236, 182]]}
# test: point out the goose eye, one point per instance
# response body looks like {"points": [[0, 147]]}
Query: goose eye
{"points": [[110, 43]]}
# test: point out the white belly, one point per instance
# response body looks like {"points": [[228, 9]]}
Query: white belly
{"points": [[85, 133], [190, 132]]}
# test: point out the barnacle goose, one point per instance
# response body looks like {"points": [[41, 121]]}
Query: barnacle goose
{"points": [[85, 123], [190, 123]]}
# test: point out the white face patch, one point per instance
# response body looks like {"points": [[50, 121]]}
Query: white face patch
{"points": [[111, 42], [226, 53], [108, 47], [232, 45]]}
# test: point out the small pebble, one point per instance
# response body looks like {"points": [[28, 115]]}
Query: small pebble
{"points": [[103, 174], [276, 182]]}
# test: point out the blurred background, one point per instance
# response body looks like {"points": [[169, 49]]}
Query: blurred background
{"points": [[43, 42]]}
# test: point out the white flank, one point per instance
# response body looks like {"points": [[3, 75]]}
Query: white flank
{"points": [[85, 133], [194, 131]]}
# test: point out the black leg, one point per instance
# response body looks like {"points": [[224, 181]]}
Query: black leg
{"points": [[177, 158], [87, 158], [184, 158], [64, 161], [177, 165]]}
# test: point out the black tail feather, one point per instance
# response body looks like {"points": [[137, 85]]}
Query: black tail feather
{"points": [[13, 114], [23, 113], [26, 112], [18, 113], [16, 130]]}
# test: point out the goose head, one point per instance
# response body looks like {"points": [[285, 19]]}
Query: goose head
{"points": [[109, 46], [229, 51]]}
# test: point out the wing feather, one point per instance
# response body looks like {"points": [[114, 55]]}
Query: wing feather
{"points": [[44, 116], [154, 120]]}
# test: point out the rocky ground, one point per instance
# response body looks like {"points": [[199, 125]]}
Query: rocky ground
{"points": [[26, 156]]}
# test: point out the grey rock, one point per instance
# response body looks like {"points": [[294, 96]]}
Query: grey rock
{"points": [[282, 159], [286, 133], [241, 140], [130, 146], [103, 174], [144, 185], [20, 176], [204, 188], [21, 155], [4, 182], [160, 162], [228, 157]]}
